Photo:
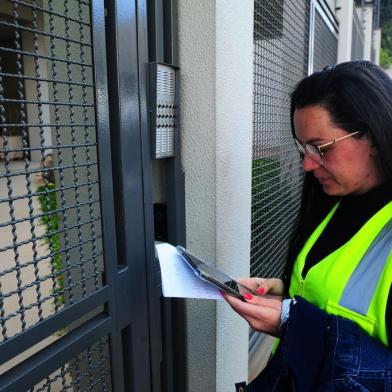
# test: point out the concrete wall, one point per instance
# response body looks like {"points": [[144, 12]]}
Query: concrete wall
{"points": [[215, 53], [197, 61], [367, 18], [376, 45], [345, 17]]}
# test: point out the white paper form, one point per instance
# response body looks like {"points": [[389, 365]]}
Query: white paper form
{"points": [[178, 279]]}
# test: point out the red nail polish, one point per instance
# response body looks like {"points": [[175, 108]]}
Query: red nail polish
{"points": [[260, 290], [222, 292], [248, 296]]}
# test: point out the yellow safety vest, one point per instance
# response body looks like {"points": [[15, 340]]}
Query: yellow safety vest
{"points": [[354, 280]]}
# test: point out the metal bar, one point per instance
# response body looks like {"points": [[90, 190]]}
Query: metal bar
{"points": [[17, 344], [19, 101], [40, 170], [40, 32], [25, 77], [85, 2], [46, 11], [156, 31], [59, 189], [311, 37], [328, 14], [63, 250], [172, 310], [40, 365], [170, 18], [15, 221], [48, 147], [44, 236], [153, 275], [104, 42], [41, 56], [59, 272], [124, 91], [324, 16], [28, 125]]}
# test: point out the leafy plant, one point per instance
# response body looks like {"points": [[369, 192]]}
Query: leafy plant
{"points": [[385, 59], [386, 33], [48, 203], [265, 200]]}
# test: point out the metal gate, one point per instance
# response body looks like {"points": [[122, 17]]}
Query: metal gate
{"points": [[76, 243]]}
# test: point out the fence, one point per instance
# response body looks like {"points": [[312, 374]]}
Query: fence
{"points": [[281, 40]]}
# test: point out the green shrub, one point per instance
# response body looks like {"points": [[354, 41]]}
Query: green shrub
{"points": [[385, 59], [48, 202], [265, 200]]}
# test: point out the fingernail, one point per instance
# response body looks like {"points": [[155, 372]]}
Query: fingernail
{"points": [[222, 292], [260, 290], [248, 296]]}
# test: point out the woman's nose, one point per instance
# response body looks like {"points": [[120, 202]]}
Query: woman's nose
{"points": [[309, 164]]}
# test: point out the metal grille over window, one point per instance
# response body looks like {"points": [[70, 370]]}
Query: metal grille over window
{"points": [[50, 220], [281, 44], [325, 42]]}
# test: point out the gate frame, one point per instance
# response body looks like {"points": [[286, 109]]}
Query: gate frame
{"points": [[124, 172]]}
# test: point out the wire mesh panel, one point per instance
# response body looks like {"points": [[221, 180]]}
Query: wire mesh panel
{"points": [[88, 371], [281, 42], [51, 247], [50, 220], [325, 44]]}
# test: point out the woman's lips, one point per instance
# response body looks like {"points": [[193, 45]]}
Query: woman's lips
{"points": [[324, 180]]}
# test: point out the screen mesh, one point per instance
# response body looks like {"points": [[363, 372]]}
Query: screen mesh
{"points": [[50, 230], [281, 39], [325, 44]]}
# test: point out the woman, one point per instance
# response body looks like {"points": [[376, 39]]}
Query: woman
{"points": [[339, 261]]}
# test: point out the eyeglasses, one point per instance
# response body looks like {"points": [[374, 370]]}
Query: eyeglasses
{"points": [[317, 152]]}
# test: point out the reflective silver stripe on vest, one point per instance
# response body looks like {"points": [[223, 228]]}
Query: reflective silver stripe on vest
{"points": [[362, 284]]}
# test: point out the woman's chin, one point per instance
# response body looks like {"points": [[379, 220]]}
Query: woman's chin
{"points": [[332, 190]]}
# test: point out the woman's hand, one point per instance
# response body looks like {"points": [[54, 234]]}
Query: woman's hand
{"points": [[263, 286], [262, 314]]}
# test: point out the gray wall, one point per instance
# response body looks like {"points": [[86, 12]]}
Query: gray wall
{"points": [[216, 60]]}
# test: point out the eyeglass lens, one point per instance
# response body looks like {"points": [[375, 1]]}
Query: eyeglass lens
{"points": [[309, 149], [314, 153]]}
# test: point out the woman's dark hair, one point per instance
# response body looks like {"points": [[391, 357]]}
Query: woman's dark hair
{"points": [[358, 97]]}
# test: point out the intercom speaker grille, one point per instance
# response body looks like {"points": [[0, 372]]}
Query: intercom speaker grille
{"points": [[165, 111], [166, 81]]}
